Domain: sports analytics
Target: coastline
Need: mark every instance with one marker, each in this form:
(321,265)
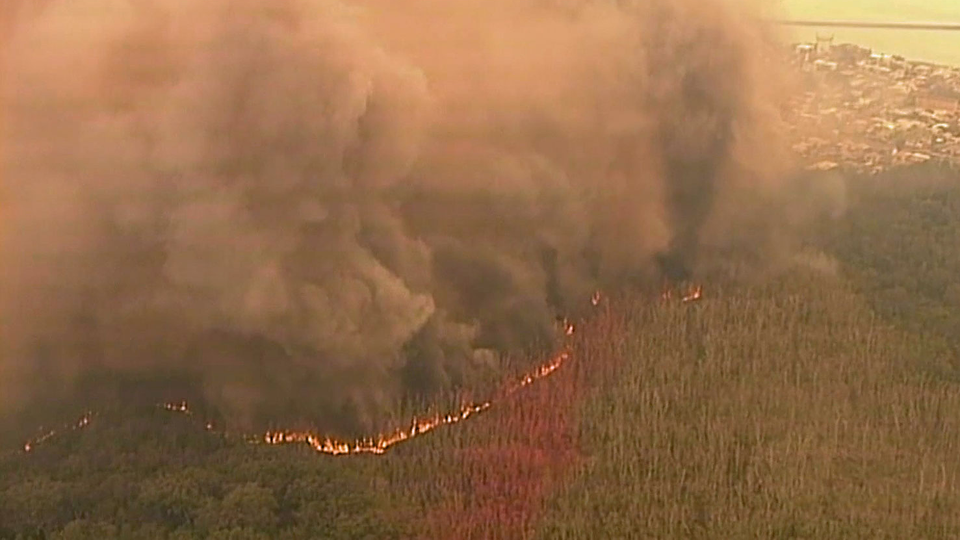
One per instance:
(940,47)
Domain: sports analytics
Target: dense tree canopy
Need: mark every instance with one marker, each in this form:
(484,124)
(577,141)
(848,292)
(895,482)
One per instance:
(158,475)
(900,247)
(819,404)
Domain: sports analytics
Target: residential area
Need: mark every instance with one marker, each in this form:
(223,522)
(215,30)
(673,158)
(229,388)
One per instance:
(867,111)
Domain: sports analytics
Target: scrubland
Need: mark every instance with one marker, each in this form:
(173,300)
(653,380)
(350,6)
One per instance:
(822,402)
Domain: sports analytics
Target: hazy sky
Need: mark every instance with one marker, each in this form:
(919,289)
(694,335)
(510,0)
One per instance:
(927,10)
(942,47)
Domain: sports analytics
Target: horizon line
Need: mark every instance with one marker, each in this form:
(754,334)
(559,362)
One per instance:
(954,26)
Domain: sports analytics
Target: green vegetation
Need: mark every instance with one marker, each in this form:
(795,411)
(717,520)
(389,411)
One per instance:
(900,246)
(822,404)
(157,475)
(818,406)
(784,412)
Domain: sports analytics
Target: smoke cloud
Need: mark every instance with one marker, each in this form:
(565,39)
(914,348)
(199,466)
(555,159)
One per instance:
(313,208)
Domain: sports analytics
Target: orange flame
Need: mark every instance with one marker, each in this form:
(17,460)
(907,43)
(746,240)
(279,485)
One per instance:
(177,407)
(83,422)
(696,293)
(596,298)
(666,292)
(381,443)
(378,445)
(419,426)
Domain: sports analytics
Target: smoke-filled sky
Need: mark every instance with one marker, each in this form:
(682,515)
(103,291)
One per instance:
(312,207)
(932,46)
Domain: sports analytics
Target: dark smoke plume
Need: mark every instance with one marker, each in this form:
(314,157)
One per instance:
(313,207)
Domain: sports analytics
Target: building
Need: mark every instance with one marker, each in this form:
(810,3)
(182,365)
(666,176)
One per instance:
(823,65)
(848,54)
(824,43)
(939,100)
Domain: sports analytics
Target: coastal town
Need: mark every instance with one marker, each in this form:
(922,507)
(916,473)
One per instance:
(867,112)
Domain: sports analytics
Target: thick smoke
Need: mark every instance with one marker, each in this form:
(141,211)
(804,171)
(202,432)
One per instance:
(313,207)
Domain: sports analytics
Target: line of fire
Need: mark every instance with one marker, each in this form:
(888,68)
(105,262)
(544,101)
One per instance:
(380,444)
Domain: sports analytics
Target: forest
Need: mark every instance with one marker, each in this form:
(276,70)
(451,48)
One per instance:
(820,402)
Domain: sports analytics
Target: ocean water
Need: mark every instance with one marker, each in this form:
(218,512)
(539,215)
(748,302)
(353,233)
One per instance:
(934,46)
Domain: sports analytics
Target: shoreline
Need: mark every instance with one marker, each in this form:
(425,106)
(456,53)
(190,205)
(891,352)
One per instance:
(938,48)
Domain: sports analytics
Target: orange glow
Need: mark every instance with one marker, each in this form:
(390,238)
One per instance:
(83,422)
(177,407)
(379,444)
(418,426)
(696,293)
